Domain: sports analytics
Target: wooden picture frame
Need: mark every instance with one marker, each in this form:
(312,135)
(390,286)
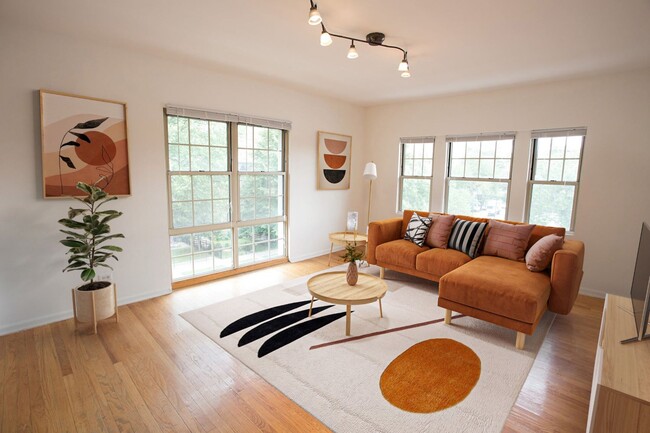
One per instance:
(83,139)
(334,154)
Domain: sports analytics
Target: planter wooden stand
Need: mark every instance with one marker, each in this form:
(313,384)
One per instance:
(94,305)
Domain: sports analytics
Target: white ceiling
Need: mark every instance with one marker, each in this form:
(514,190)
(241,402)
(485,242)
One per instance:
(454,45)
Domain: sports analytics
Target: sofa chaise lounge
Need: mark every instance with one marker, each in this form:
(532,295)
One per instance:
(494,289)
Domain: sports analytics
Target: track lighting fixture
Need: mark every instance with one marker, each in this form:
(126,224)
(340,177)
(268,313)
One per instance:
(375,39)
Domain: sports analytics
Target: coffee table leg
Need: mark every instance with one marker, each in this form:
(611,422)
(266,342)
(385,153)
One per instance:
(381,313)
(347,319)
(311,306)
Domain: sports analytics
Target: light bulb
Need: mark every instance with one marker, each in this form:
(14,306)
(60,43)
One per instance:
(406,74)
(352,51)
(403,65)
(314,17)
(325,39)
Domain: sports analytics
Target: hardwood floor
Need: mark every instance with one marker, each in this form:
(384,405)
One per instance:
(153,372)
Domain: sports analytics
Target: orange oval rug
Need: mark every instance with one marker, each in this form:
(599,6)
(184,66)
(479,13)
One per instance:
(430,376)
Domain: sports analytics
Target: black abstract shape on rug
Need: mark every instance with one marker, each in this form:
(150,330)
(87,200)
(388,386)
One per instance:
(334,176)
(295,332)
(276,324)
(259,317)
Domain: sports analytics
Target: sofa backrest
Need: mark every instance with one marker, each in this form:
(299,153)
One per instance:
(538,232)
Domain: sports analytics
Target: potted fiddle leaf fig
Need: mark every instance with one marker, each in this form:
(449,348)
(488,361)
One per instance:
(87,235)
(351,255)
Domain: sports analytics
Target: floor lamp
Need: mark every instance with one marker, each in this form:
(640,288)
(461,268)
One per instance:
(370,173)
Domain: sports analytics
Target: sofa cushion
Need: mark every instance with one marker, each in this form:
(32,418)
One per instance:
(540,255)
(440,230)
(507,240)
(499,286)
(417,229)
(439,261)
(399,253)
(466,236)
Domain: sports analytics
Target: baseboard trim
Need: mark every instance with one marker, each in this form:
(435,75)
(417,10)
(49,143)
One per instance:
(64,315)
(308,256)
(593,293)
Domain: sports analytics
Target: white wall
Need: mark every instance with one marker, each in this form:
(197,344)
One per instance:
(32,288)
(613,197)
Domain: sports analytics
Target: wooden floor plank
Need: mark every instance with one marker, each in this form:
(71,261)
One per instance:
(154,372)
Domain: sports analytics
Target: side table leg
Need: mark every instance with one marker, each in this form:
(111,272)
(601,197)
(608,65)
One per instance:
(381,312)
(311,306)
(329,260)
(348,310)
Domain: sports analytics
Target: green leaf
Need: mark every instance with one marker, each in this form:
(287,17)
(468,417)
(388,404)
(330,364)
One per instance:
(88,274)
(105,238)
(72,212)
(84,187)
(75,267)
(104,265)
(110,217)
(108,212)
(73,234)
(112,248)
(72,243)
(72,223)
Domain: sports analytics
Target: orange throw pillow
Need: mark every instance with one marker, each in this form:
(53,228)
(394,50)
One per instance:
(438,235)
(539,256)
(507,240)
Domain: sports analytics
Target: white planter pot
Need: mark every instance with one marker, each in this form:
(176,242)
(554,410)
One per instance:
(94,305)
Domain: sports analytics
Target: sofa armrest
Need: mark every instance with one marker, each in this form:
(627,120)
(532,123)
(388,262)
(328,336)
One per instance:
(380,232)
(566,275)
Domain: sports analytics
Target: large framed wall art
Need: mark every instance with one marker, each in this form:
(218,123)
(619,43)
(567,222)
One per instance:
(334,154)
(83,140)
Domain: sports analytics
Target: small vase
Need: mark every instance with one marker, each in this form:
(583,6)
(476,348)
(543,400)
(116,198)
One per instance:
(352,275)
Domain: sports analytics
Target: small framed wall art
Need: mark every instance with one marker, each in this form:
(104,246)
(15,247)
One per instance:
(334,154)
(83,140)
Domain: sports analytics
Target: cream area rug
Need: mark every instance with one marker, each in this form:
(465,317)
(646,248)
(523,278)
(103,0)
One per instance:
(337,378)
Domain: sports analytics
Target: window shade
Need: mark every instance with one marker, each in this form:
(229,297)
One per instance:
(507,135)
(416,140)
(228,117)
(564,132)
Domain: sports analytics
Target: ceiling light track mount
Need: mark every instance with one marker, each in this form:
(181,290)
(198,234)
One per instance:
(374,39)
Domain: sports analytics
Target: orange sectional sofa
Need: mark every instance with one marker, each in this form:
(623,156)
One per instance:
(494,289)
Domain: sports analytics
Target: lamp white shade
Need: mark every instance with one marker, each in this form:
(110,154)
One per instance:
(325,39)
(314,17)
(352,52)
(403,66)
(370,172)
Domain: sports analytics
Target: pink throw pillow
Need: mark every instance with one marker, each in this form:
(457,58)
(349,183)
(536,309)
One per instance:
(539,256)
(441,226)
(507,240)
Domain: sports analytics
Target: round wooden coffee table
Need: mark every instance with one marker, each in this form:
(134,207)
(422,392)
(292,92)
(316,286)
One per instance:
(332,287)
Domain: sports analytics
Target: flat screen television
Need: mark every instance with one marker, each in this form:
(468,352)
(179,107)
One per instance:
(640,292)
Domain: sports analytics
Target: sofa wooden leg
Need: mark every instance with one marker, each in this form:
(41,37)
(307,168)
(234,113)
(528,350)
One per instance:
(381,272)
(448,317)
(521,340)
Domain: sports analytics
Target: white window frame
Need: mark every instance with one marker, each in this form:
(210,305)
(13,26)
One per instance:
(233,121)
(509,135)
(400,185)
(550,133)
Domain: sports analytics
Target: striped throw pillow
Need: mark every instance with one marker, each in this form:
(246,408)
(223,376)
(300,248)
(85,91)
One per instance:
(466,236)
(417,229)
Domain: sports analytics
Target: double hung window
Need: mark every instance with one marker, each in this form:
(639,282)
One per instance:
(555,177)
(227,191)
(416,171)
(478,175)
